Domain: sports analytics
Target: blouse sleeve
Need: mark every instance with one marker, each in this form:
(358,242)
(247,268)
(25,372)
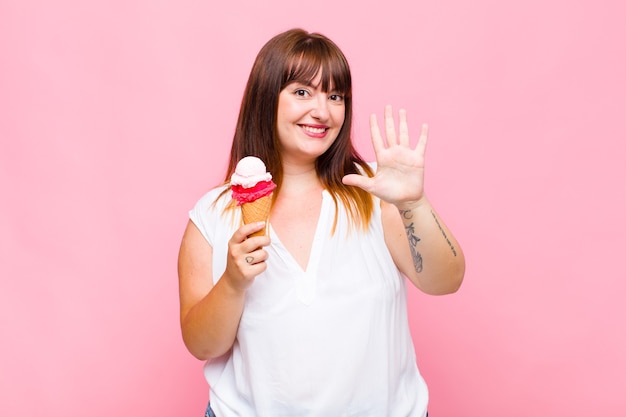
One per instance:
(216,226)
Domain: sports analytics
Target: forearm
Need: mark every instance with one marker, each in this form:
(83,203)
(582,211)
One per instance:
(210,327)
(438,263)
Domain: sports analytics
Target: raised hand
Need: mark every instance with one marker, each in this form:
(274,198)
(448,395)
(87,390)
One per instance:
(399,177)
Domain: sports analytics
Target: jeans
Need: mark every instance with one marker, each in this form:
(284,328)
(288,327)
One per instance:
(209,412)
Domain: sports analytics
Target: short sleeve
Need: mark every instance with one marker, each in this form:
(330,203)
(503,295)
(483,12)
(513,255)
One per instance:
(207,213)
(216,226)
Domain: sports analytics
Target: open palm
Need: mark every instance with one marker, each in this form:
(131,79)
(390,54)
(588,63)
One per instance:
(399,177)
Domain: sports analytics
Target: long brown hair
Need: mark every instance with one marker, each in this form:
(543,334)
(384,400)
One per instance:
(299,56)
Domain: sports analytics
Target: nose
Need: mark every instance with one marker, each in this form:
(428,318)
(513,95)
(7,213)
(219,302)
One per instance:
(320,107)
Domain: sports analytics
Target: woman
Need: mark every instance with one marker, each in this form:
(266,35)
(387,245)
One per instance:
(314,323)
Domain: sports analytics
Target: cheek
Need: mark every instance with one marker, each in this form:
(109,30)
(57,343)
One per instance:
(285,114)
(284,129)
(339,115)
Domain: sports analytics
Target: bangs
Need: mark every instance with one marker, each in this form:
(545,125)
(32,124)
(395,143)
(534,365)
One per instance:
(314,58)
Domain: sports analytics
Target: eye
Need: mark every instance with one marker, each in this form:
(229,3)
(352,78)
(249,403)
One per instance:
(301,92)
(336,97)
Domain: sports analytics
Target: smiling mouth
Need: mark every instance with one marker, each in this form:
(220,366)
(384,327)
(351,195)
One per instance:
(315,130)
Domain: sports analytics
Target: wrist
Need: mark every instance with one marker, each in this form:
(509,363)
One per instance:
(232,289)
(408,206)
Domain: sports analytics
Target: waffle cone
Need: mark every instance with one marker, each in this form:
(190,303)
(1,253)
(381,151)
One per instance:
(257,211)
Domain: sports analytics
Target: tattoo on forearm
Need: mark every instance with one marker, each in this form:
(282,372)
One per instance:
(413,240)
(444,234)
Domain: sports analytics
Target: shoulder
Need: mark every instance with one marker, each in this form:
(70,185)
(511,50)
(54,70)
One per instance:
(208,211)
(218,196)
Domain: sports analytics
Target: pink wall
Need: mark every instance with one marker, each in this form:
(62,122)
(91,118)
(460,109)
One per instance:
(116,116)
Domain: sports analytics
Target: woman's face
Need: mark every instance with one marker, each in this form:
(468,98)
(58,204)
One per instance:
(308,120)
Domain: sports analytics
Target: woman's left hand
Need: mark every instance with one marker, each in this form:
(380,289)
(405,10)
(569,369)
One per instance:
(399,176)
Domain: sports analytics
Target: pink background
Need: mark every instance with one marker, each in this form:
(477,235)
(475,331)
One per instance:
(116,116)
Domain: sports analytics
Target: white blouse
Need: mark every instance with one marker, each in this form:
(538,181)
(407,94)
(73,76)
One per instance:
(332,340)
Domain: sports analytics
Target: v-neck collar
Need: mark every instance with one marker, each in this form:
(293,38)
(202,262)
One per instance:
(306,278)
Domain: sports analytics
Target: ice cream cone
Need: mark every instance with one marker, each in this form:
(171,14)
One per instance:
(252,188)
(257,211)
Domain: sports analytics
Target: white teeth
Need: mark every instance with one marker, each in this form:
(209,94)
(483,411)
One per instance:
(314,129)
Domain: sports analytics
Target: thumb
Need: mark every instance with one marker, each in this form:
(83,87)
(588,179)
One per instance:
(357,180)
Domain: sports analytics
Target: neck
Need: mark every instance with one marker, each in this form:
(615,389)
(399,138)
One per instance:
(300,179)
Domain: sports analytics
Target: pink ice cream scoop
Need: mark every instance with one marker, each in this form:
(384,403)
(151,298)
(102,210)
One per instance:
(251,181)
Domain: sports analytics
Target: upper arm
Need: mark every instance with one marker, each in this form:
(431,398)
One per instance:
(195,276)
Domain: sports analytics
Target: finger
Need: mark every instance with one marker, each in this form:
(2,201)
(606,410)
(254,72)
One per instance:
(403,128)
(250,267)
(244,231)
(421,144)
(255,242)
(256,269)
(250,259)
(377,140)
(257,256)
(390,128)
(251,262)
(254,258)
(357,180)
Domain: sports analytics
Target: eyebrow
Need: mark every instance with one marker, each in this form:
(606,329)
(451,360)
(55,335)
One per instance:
(311,85)
(304,83)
